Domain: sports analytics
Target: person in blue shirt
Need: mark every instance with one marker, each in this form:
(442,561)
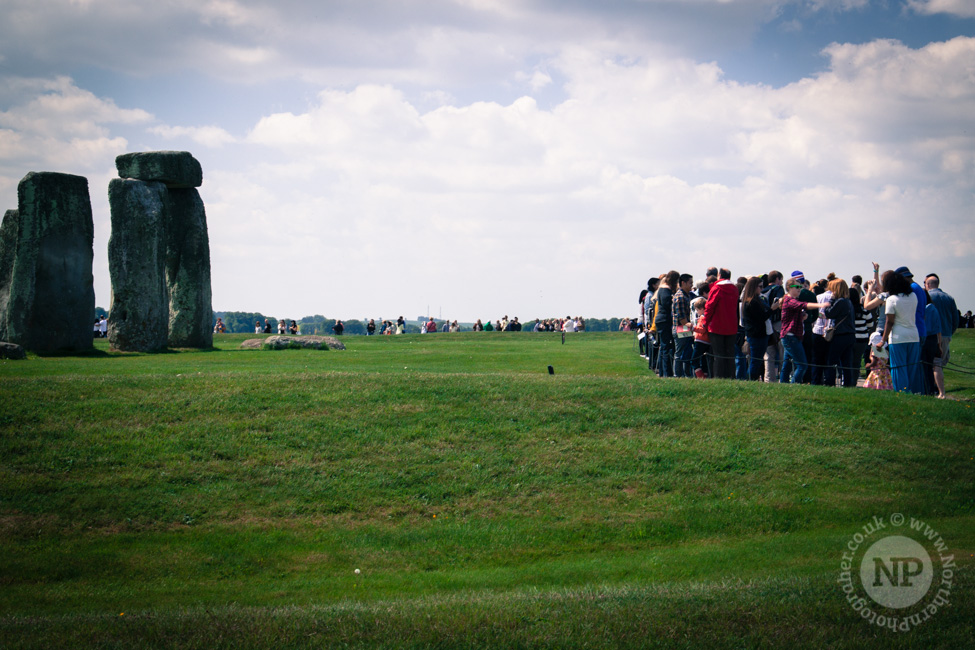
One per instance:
(931,350)
(948,311)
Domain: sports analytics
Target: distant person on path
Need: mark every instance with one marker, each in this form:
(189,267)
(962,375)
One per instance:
(294,327)
(950,321)
(721,318)
(338,328)
(96,331)
(282,327)
(267,326)
(258,328)
(219,328)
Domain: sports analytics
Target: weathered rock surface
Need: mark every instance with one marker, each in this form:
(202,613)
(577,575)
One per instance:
(9,232)
(188,272)
(176,169)
(282,342)
(139,317)
(47,296)
(11,351)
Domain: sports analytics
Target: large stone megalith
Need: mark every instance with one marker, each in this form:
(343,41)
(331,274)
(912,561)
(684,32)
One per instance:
(159,212)
(188,272)
(139,315)
(47,295)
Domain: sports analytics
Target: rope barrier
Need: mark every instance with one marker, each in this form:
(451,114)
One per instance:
(792,360)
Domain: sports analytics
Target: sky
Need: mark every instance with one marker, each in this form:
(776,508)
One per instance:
(534,158)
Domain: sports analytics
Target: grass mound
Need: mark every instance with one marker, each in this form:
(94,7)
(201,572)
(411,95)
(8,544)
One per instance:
(486,503)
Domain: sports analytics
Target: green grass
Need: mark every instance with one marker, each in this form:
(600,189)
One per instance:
(223,498)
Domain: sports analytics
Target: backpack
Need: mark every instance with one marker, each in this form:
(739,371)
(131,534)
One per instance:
(771,294)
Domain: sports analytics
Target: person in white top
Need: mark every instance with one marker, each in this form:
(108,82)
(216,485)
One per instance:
(569,325)
(900,331)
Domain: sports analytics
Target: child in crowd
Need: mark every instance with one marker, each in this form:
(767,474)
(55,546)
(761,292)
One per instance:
(879,366)
(702,345)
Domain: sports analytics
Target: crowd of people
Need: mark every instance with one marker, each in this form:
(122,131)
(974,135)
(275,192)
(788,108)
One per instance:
(776,329)
(266,328)
(567,324)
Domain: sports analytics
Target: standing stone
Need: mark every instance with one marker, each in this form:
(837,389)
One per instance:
(139,316)
(161,216)
(188,272)
(47,295)
(9,232)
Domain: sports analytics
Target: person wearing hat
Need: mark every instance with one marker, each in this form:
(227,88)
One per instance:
(793,314)
(879,368)
(807,296)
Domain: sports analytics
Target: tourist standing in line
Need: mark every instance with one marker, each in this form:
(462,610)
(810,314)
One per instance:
(794,315)
(721,319)
(840,311)
(820,344)
(774,353)
(879,368)
(683,331)
(900,331)
(861,323)
(948,310)
(754,316)
(641,335)
(931,349)
(664,323)
(701,361)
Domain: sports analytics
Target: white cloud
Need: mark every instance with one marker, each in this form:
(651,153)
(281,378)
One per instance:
(506,156)
(208,136)
(961,8)
(537,205)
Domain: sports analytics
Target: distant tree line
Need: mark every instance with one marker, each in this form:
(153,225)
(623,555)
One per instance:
(243,322)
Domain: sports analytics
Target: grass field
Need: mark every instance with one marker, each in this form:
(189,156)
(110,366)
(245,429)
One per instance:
(225,498)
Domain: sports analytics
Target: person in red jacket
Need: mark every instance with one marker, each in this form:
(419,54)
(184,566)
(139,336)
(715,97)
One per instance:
(721,320)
